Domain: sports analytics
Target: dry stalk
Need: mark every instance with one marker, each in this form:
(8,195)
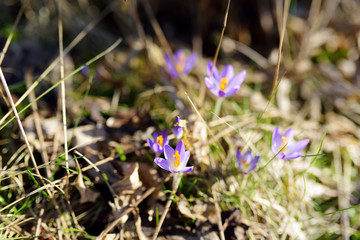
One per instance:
(26,139)
(218,214)
(282,35)
(177,179)
(63,95)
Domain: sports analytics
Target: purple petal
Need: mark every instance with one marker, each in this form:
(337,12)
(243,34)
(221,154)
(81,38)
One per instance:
(297,146)
(189,64)
(178,132)
(248,156)
(232,91)
(168,152)
(289,134)
(227,72)
(210,82)
(157,148)
(221,94)
(292,155)
(187,169)
(181,148)
(215,71)
(184,159)
(237,80)
(171,66)
(276,141)
(179,55)
(238,155)
(149,142)
(155,135)
(281,156)
(177,119)
(162,163)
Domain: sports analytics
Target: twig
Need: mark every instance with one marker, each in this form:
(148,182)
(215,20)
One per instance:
(177,179)
(218,214)
(7,91)
(282,35)
(38,224)
(156,26)
(63,97)
(37,121)
(221,37)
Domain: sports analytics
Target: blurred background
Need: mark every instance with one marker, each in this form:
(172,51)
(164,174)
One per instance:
(319,90)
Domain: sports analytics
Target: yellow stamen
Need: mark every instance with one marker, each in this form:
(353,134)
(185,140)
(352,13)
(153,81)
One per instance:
(283,148)
(223,84)
(160,140)
(179,67)
(176,159)
(245,163)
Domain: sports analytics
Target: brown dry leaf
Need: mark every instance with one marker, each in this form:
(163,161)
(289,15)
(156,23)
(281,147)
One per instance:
(87,195)
(126,190)
(91,141)
(190,212)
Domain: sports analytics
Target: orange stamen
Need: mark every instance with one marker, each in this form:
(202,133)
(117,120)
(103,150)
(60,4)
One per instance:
(179,67)
(283,148)
(160,140)
(176,159)
(223,84)
(245,163)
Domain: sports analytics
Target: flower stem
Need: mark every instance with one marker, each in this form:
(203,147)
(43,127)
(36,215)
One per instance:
(176,182)
(218,104)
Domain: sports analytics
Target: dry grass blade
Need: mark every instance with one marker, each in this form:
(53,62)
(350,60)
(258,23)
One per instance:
(282,36)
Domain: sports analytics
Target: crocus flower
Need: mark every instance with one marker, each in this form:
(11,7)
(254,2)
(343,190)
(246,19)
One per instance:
(246,163)
(283,145)
(224,84)
(178,129)
(159,142)
(175,160)
(179,64)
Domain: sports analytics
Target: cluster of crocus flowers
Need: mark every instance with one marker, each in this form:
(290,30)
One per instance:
(284,147)
(224,84)
(160,140)
(175,159)
(246,162)
(179,64)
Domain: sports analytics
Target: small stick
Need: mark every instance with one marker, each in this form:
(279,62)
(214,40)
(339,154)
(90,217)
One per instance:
(37,121)
(156,26)
(221,37)
(282,35)
(63,98)
(218,214)
(177,179)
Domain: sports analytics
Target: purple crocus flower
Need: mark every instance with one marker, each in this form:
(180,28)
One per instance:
(224,84)
(283,145)
(179,64)
(178,129)
(175,160)
(159,142)
(246,163)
